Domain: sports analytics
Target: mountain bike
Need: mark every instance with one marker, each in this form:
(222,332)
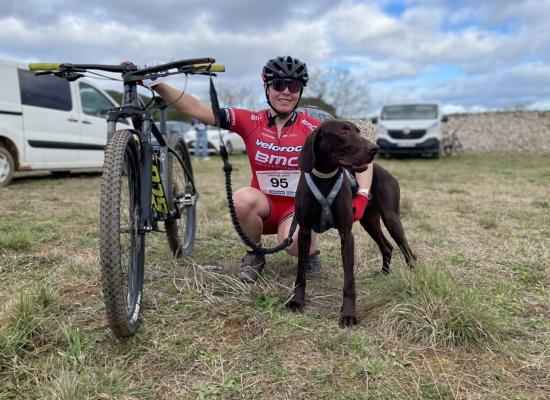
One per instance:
(451,144)
(147,178)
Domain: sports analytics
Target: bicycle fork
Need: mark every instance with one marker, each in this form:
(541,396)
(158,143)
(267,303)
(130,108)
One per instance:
(154,183)
(146,184)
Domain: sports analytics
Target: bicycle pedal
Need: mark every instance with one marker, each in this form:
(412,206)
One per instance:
(186,200)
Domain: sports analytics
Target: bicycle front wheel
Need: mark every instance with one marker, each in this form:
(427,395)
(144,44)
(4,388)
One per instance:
(459,149)
(447,146)
(122,242)
(182,198)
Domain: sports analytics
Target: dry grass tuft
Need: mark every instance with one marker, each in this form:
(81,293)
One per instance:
(429,307)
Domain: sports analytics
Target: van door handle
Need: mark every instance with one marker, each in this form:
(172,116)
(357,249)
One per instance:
(72,120)
(85,121)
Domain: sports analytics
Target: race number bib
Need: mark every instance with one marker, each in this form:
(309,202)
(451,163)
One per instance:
(278,183)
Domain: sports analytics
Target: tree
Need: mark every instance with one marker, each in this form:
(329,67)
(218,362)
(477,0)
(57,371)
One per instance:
(247,97)
(319,103)
(338,87)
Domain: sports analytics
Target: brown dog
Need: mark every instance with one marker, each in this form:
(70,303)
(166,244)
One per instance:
(334,146)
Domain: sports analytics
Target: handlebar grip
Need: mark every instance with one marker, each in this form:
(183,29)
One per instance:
(44,67)
(217,68)
(210,67)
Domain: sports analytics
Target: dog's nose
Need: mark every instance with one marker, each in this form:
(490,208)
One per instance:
(373,149)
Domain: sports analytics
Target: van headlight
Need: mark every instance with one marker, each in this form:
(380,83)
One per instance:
(433,127)
(381,131)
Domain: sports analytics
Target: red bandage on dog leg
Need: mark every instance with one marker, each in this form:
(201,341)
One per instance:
(359,203)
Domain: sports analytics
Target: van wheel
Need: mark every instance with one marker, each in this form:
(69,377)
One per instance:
(7,166)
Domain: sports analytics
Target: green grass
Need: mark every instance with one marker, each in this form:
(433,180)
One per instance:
(429,307)
(470,322)
(23,322)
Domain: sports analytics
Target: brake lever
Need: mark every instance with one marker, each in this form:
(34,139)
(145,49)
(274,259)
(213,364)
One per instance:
(70,76)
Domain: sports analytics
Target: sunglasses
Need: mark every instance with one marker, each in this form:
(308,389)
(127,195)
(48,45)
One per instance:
(279,85)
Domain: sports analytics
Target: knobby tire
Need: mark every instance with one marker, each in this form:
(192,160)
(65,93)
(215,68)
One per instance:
(122,243)
(447,146)
(180,232)
(459,149)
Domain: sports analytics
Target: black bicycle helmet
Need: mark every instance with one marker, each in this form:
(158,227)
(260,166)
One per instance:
(285,67)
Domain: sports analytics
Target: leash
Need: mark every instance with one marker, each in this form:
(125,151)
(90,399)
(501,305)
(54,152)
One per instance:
(227,169)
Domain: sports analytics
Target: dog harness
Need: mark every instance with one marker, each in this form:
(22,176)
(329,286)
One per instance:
(327,220)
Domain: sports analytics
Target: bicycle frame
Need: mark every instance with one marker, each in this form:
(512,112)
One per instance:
(153,177)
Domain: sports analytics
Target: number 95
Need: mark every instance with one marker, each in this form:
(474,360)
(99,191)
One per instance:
(280,182)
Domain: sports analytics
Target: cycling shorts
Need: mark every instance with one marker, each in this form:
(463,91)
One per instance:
(280,208)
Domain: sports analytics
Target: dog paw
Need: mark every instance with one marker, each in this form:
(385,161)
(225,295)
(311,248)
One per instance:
(347,321)
(295,305)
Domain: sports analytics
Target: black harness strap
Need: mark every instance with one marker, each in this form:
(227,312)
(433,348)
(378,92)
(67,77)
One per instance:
(327,220)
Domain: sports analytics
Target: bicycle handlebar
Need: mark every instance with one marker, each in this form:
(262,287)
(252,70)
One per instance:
(201,66)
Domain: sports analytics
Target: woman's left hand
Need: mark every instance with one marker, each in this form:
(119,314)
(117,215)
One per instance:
(359,203)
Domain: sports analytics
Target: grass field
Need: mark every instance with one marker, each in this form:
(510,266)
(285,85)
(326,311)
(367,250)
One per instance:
(471,322)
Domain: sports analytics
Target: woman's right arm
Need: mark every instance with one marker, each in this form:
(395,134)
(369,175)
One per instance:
(186,103)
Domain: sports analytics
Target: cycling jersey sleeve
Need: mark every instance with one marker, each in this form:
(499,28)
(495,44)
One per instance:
(237,120)
(225,118)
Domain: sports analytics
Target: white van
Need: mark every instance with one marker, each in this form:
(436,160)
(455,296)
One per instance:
(49,123)
(410,129)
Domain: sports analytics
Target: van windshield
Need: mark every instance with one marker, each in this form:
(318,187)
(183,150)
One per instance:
(410,111)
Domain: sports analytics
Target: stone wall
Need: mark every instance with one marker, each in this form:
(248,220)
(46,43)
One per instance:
(505,131)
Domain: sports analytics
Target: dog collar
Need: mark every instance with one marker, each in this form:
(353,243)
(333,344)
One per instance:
(322,175)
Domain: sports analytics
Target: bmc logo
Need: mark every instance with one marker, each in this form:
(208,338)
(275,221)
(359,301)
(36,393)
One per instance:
(273,159)
(309,124)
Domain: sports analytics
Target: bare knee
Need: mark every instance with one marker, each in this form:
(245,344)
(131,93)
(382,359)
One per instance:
(249,201)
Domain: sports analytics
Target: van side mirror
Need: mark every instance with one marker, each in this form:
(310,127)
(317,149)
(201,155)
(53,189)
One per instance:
(444,118)
(374,120)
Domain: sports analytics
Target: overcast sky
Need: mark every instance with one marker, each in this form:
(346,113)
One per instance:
(468,55)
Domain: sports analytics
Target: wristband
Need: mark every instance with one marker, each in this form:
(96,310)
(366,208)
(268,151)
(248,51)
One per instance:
(365,192)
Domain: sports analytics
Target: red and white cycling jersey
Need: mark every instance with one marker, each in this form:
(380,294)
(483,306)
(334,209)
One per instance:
(273,158)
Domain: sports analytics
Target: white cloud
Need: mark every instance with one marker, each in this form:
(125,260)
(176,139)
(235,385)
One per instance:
(499,48)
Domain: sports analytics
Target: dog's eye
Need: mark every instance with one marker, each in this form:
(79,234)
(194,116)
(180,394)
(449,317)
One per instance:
(346,132)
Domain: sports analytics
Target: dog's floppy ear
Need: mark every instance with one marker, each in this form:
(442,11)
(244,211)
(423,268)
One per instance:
(306,158)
